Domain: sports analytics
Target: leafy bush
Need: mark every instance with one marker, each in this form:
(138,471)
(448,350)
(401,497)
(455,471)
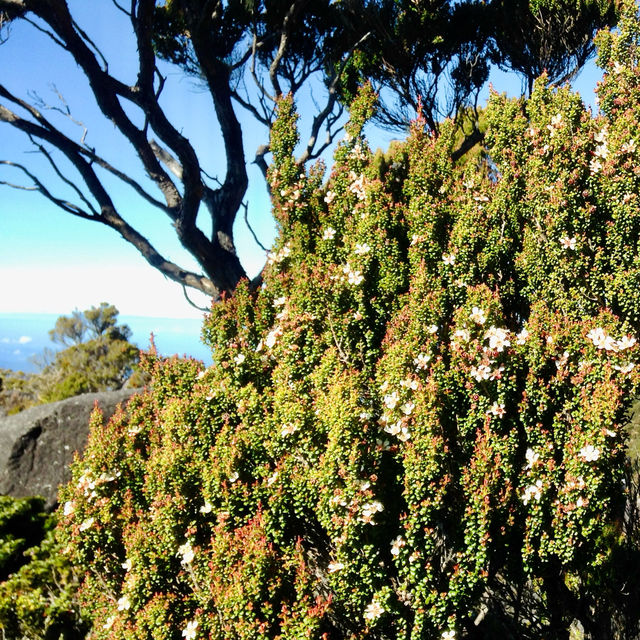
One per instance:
(37,585)
(416,427)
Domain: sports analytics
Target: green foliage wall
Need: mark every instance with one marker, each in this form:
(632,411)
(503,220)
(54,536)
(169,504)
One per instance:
(416,427)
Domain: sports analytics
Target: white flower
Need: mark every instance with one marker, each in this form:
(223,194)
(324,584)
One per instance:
(240,358)
(601,136)
(127,564)
(69,508)
(629,147)
(329,233)
(422,361)
(432,329)
(449,635)
(355,278)
(362,249)
(394,429)
(369,510)
(404,434)
(409,383)
(109,622)
(274,257)
(373,611)
(556,121)
(407,408)
(463,334)
(391,400)
(234,477)
(272,478)
(562,361)
(532,491)
(279,302)
(124,604)
(602,340)
(288,429)
(329,198)
(626,342)
(207,507)
(568,243)
(589,453)
(498,338)
(478,315)
(602,151)
(86,524)
(625,368)
(134,430)
(481,372)
(189,632)
(357,186)
(521,337)
(396,545)
(532,458)
(272,337)
(497,410)
(595,166)
(335,566)
(186,551)
(617,68)
(449,258)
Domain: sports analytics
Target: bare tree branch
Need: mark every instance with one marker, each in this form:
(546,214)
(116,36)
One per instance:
(255,237)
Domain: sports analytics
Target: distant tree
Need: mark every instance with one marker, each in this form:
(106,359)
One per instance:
(98,357)
(432,55)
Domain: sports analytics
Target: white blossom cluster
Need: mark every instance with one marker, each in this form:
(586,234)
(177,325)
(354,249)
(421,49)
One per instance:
(275,257)
(602,340)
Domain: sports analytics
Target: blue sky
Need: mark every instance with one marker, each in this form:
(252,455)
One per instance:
(52,262)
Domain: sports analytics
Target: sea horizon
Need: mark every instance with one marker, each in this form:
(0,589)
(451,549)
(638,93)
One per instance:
(24,336)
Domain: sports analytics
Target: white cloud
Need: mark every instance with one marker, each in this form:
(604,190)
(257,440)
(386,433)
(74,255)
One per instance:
(24,339)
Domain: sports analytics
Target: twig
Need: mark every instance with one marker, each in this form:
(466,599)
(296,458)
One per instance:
(245,206)
(191,302)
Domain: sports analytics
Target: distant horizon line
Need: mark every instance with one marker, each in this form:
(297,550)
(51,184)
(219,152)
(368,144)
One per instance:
(121,314)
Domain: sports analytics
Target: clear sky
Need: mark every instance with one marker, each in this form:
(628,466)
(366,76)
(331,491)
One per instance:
(52,262)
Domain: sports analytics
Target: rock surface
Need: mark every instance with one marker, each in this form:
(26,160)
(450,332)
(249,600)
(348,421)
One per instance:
(37,445)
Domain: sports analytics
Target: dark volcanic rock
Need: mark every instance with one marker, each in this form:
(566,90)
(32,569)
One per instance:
(37,445)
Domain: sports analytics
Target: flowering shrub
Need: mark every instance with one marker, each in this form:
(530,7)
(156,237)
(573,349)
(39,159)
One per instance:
(416,427)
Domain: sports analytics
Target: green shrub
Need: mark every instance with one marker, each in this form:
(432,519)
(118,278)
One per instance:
(416,428)
(37,586)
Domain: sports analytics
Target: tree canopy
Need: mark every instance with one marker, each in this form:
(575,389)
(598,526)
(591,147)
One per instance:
(432,56)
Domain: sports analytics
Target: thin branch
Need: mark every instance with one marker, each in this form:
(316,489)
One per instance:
(92,44)
(255,237)
(48,33)
(65,205)
(249,107)
(66,180)
(191,302)
(121,8)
